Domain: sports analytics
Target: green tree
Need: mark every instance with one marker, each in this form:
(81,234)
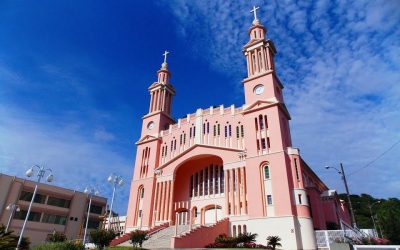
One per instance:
(138,237)
(246,238)
(102,237)
(274,241)
(9,241)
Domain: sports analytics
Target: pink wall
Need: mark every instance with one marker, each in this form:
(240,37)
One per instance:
(201,237)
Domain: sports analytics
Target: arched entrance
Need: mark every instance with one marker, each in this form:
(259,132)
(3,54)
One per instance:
(200,183)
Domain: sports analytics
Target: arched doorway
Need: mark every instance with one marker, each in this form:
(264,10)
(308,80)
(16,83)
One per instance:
(212,214)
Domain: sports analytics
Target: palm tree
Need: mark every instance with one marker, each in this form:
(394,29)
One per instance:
(274,241)
(246,238)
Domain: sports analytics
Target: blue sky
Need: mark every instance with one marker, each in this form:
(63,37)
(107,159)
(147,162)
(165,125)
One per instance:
(74,78)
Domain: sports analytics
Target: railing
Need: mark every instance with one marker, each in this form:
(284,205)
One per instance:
(325,237)
(380,247)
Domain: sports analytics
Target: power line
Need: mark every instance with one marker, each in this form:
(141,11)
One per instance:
(377,158)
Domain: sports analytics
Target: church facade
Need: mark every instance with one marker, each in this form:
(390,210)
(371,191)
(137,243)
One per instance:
(230,165)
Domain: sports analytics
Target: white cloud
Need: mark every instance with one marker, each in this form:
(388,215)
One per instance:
(77,160)
(340,64)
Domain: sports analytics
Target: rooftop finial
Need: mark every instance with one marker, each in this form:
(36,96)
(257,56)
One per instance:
(254,11)
(164,64)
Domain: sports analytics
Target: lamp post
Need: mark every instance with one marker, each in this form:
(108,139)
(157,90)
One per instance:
(343,175)
(41,172)
(116,181)
(372,216)
(90,191)
(13,207)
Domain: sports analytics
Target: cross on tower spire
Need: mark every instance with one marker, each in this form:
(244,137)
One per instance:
(165,56)
(254,11)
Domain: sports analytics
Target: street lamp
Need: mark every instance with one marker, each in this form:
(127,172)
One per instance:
(372,216)
(90,191)
(40,175)
(13,207)
(343,175)
(116,181)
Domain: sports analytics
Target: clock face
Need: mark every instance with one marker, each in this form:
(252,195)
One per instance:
(150,125)
(259,89)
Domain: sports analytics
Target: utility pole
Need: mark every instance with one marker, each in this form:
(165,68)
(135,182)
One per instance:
(348,196)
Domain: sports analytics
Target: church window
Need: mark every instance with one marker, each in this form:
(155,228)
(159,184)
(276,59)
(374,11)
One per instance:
(184,138)
(237,132)
(140,213)
(255,34)
(234,231)
(166,150)
(258,144)
(216,179)
(142,193)
(196,184)
(222,180)
(219,129)
(242,130)
(206,181)
(194,131)
(215,130)
(299,196)
(269,199)
(195,212)
(201,183)
(259,60)
(181,139)
(256,123)
(172,145)
(175,144)
(162,151)
(244,229)
(263,145)
(266,172)
(266,121)
(190,132)
(239,229)
(260,119)
(226,131)
(211,179)
(208,127)
(229,208)
(234,180)
(230,130)
(204,128)
(297,170)
(268,143)
(191,186)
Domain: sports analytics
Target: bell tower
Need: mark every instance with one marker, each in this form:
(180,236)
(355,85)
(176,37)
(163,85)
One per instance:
(161,93)
(261,82)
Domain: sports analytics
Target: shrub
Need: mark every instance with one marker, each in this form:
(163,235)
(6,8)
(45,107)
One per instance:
(138,237)
(274,241)
(9,241)
(66,245)
(56,237)
(102,237)
(246,238)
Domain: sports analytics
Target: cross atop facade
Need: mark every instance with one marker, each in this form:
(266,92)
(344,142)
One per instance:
(165,56)
(254,11)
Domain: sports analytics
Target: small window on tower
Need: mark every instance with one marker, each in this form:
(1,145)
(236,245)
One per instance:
(269,199)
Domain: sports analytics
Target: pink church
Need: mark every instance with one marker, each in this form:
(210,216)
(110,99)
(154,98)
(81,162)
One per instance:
(227,169)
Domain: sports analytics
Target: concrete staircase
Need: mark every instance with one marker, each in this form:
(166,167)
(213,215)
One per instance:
(125,238)
(162,239)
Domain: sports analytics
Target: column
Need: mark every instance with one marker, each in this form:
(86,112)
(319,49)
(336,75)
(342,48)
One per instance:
(226,191)
(232,198)
(237,199)
(151,102)
(264,63)
(269,58)
(166,214)
(239,189)
(171,201)
(158,201)
(162,201)
(256,62)
(248,64)
(251,63)
(244,199)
